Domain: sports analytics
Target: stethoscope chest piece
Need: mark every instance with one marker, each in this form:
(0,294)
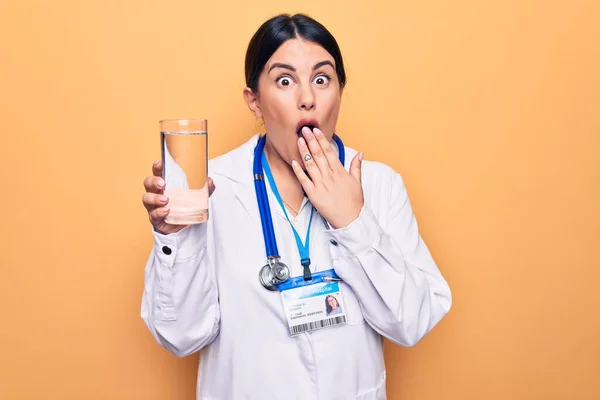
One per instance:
(273,273)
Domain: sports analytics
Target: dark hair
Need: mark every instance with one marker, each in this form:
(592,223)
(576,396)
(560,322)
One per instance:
(281,28)
(327,306)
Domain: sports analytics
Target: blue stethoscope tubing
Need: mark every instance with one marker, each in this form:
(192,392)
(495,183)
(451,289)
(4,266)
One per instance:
(265,210)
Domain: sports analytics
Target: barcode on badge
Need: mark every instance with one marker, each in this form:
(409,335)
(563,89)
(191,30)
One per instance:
(311,326)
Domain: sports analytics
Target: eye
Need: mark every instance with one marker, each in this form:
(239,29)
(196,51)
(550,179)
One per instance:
(284,80)
(322,79)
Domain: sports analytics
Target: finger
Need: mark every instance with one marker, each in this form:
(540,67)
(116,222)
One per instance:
(211,186)
(330,153)
(305,181)
(317,152)
(158,215)
(356,167)
(154,184)
(309,162)
(157,168)
(152,201)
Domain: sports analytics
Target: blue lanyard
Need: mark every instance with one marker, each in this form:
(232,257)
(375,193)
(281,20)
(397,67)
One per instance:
(261,163)
(303,248)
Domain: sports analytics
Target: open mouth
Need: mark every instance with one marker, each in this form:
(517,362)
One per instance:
(311,127)
(310,124)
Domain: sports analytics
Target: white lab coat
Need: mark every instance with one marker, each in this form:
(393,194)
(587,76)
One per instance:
(205,293)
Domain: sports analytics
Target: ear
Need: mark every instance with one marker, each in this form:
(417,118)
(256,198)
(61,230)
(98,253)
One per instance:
(252,102)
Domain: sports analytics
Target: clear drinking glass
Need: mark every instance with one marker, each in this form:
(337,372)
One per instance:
(184,146)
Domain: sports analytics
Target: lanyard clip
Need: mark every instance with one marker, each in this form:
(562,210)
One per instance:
(306,264)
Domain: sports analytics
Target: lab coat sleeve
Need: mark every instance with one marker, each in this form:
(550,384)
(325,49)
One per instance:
(400,289)
(180,299)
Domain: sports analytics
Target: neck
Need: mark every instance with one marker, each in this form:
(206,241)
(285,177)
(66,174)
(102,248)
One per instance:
(287,183)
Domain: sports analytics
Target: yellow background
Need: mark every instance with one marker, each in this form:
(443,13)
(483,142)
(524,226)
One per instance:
(489,109)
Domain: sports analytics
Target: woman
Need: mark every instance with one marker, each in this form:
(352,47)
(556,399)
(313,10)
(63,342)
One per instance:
(201,288)
(332,306)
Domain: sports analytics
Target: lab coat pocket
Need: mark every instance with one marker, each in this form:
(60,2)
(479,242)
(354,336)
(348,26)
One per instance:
(377,393)
(354,315)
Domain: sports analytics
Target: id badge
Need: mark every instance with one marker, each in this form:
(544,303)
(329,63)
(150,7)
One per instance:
(315,304)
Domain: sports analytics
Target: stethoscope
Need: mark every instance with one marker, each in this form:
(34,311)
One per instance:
(275,272)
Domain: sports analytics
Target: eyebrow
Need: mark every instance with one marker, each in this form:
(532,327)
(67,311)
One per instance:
(289,67)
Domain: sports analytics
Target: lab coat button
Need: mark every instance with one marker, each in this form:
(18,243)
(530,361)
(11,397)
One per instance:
(167,250)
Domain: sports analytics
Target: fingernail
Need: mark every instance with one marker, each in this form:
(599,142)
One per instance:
(360,156)
(156,162)
(302,141)
(165,208)
(164,199)
(294,163)
(161,183)
(317,132)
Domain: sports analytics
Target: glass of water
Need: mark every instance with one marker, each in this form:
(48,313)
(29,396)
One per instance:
(184,147)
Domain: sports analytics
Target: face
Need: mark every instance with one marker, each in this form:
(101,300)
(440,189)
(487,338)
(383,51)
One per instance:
(332,302)
(298,86)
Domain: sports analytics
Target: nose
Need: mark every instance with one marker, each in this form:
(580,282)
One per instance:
(306,100)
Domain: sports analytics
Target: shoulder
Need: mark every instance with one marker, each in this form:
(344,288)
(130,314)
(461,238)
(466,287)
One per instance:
(380,173)
(384,188)
(233,158)
(234,165)
(376,176)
